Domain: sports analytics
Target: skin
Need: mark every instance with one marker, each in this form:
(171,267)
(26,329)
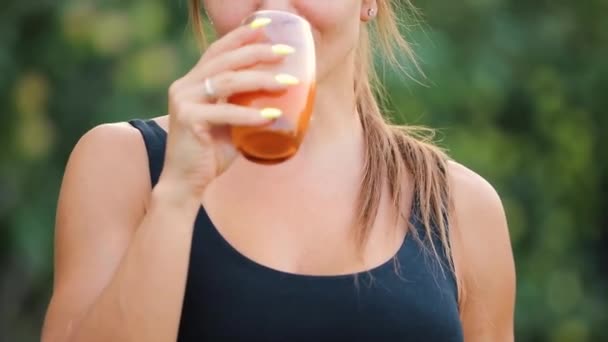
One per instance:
(111,226)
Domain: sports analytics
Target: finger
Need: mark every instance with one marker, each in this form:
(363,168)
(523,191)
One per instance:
(236,38)
(227,114)
(234,82)
(241,58)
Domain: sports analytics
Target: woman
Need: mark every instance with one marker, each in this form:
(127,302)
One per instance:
(368,234)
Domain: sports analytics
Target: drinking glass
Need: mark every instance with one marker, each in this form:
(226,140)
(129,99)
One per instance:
(279,140)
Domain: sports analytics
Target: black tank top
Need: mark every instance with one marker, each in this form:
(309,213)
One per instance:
(229,297)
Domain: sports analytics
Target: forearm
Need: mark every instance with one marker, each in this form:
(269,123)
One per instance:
(143,300)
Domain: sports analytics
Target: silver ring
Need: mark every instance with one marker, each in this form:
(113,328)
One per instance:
(371,12)
(210,93)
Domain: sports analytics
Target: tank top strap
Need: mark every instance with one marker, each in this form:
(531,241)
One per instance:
(417,223)
(155,139)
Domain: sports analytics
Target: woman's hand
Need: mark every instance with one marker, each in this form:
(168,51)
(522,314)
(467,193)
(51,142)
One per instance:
(198,145)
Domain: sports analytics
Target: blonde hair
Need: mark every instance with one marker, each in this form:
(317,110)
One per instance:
(391,151)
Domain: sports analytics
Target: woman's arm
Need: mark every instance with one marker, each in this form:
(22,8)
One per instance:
(121,269)
(483,258)
(121,254)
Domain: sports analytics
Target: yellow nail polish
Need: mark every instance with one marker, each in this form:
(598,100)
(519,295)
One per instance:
(282,49)
(287,79)
(271,113)
(259,22)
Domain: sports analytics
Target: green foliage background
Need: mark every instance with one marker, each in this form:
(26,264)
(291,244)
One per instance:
(518,88)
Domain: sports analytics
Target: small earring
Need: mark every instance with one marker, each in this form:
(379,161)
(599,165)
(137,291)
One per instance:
(371,12)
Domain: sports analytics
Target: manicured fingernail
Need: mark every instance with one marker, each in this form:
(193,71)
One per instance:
(286,79)
(271,113)
(259,22)
(282,49)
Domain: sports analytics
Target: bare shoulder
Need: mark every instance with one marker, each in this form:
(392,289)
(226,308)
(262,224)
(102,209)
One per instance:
(483,256)
(109,151)
(472,192)
(479,216)
(108,138)
(106,174)
(102,198)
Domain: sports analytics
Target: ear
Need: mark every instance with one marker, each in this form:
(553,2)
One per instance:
(369,10)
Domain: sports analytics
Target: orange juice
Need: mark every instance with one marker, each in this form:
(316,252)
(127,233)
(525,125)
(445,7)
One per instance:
(279,140)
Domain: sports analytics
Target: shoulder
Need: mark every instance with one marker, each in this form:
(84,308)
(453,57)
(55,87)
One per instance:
(110,146)
(482,251)
(479,231)
(108,160)
(102,199)
(479,218)
(472,194)
(109,136)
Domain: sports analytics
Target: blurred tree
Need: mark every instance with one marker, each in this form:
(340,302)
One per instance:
(517,88)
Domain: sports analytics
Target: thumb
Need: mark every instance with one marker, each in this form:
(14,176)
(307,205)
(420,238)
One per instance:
(225,154)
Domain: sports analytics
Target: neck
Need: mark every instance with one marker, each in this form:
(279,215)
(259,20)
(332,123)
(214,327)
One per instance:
(334,116)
